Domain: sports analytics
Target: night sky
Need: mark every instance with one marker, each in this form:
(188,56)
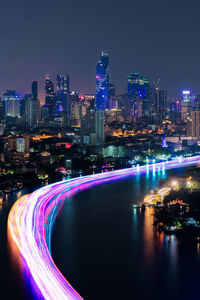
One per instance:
(159,39)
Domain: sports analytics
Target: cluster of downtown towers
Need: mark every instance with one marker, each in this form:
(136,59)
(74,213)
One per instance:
(137,102)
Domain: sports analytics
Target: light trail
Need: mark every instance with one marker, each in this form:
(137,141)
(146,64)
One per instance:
(32,217)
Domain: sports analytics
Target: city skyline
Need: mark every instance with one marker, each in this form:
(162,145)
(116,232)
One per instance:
(129,33)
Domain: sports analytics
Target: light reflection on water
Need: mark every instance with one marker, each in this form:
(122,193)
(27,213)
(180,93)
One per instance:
(99,241)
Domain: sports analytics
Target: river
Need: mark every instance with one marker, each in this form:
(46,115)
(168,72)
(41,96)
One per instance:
(107,250)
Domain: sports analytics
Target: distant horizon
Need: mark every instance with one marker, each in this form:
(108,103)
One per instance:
(73,87)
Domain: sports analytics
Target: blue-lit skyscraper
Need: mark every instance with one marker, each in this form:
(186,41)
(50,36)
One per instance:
(63,95)
(12,103)
(139,89)
(102,82)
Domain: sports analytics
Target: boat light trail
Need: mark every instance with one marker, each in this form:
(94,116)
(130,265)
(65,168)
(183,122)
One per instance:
(31,220)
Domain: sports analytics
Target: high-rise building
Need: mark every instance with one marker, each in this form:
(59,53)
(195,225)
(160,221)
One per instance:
(139,89)
(63,83)
(112,96)
(195,118)
(102,82)
(32,111)
(158,107)
(50,99)
(88,122)
(2,110)
(34,89)
(12,103)
(186,96)
(102,95)
(63,95)
(99,126)
(186,105)
(23,106)
(163,103)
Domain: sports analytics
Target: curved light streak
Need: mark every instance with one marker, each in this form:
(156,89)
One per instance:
(31,220)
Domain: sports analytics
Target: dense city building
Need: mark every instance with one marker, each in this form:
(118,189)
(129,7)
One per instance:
(50,98)
(12,103)
(195,123)
(63,96)
(139,95)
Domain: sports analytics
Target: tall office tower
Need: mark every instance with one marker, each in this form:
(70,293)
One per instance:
(99,126)
(63,83)
(23,106)
(50,99)
(158,108)
(88,122)
(32,112)
(186,96)
(2,110)
(12,103)
(102,82)
(139,89)
(163,103)
(87,129)
(186,105)
(34,89)
(195,118)
(112,96)
(102,94)
(63,95)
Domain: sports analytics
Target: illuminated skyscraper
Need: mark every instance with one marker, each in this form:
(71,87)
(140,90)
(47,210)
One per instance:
(12,103)
(139,89)
(102,82)
(50,99)
(102,95)
(186,105)
(63,95)
(63,83)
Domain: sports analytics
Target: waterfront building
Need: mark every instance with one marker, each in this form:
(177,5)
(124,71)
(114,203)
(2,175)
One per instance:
(114,151)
